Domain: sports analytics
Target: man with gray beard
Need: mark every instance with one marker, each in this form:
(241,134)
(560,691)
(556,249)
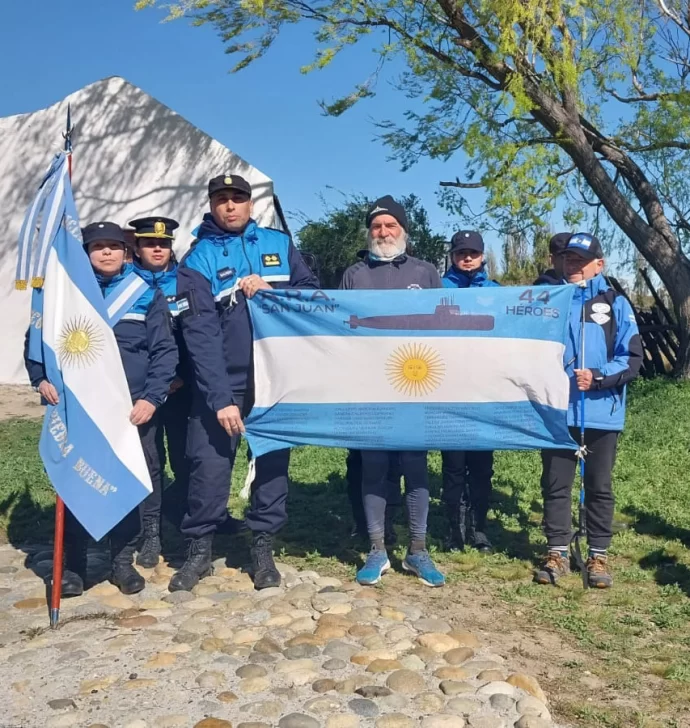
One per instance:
(387,266)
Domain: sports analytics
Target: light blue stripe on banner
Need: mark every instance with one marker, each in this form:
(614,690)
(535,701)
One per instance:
(70,443)
(409,426)
(537,312)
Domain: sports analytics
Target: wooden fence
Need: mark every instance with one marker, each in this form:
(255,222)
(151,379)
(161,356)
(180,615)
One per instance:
(658,331)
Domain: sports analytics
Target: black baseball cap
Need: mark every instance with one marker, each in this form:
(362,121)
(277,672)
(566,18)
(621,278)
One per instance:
(585,245)
(559,242)
(467,240)
(103,231)
(154,227)
(229,182)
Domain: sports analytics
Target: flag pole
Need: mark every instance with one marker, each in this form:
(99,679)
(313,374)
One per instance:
(59,540)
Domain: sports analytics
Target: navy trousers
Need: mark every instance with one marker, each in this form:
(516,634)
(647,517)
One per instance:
(148,433)
(211,453)
(174,421)
(467,481)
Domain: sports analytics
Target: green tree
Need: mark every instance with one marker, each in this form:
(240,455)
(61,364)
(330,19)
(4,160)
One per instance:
(337,237)
(523,260)
(547,98)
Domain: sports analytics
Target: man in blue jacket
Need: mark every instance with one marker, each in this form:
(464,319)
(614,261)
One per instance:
(467,474)
(231,261)
(612,358)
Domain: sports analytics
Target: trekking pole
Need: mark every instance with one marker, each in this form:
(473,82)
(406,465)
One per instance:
(59,538)
(581,532)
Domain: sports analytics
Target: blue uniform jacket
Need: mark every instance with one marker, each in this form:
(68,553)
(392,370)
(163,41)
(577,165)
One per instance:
(613,351)
(166,282)
(456,278)
(146,343)
(213,312)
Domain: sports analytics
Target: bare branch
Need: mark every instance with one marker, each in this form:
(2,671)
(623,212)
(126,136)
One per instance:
(463,185)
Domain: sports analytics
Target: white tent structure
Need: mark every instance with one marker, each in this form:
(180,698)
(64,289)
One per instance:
(133,157)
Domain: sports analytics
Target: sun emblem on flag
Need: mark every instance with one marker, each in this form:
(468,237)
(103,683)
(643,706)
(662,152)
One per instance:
(80,343)
(415,369)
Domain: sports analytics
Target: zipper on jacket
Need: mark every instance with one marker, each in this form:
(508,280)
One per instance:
(244,250)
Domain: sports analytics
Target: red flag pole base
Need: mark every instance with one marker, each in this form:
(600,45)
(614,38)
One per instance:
(56,587)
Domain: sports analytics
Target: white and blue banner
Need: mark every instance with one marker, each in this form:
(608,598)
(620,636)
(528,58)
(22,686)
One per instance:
(91,451)
(470,369)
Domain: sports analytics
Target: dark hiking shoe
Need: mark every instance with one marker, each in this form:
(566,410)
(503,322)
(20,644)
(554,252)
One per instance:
(197,564)
(555,565)
(598,574)
(263,567)
(480,541)
(150,548)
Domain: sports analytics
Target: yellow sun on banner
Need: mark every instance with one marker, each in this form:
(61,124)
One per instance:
(80,344)
(415,369)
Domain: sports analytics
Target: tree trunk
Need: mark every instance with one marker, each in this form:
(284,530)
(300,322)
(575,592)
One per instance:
(664,255)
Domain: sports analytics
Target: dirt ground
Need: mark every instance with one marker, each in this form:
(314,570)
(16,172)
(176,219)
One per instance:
(18,400)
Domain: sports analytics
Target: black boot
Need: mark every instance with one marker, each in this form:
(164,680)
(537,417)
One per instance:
(390,537)
(197,564)
(125,577)
(476,536)
(457,514)
(74,571)
(263,567)
(150,548)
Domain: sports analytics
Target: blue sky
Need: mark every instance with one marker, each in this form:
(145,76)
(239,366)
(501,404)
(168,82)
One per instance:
(267,113)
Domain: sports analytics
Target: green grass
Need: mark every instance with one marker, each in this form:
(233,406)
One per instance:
(636,637)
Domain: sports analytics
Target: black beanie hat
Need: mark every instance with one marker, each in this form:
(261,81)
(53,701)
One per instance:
(389,206)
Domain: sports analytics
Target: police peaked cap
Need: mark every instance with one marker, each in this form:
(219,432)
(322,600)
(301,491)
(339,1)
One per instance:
(103,231)
(154,227)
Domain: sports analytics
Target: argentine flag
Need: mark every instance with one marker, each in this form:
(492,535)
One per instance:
(91,451)
(470,369)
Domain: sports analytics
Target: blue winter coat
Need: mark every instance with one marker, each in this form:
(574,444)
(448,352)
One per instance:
(166,282)
(613,351)
(145,341)
(213,312)
(456,278)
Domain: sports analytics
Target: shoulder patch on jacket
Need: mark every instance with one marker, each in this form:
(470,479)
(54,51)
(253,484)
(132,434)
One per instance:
(271,260)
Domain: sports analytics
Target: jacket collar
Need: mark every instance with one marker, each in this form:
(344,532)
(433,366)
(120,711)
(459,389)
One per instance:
(464,279)
(213,232)
(109,281)
(594,287)
(156,279)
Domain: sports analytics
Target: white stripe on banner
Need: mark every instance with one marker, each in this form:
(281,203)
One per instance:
(89,360)
(135,285)
(291,370)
